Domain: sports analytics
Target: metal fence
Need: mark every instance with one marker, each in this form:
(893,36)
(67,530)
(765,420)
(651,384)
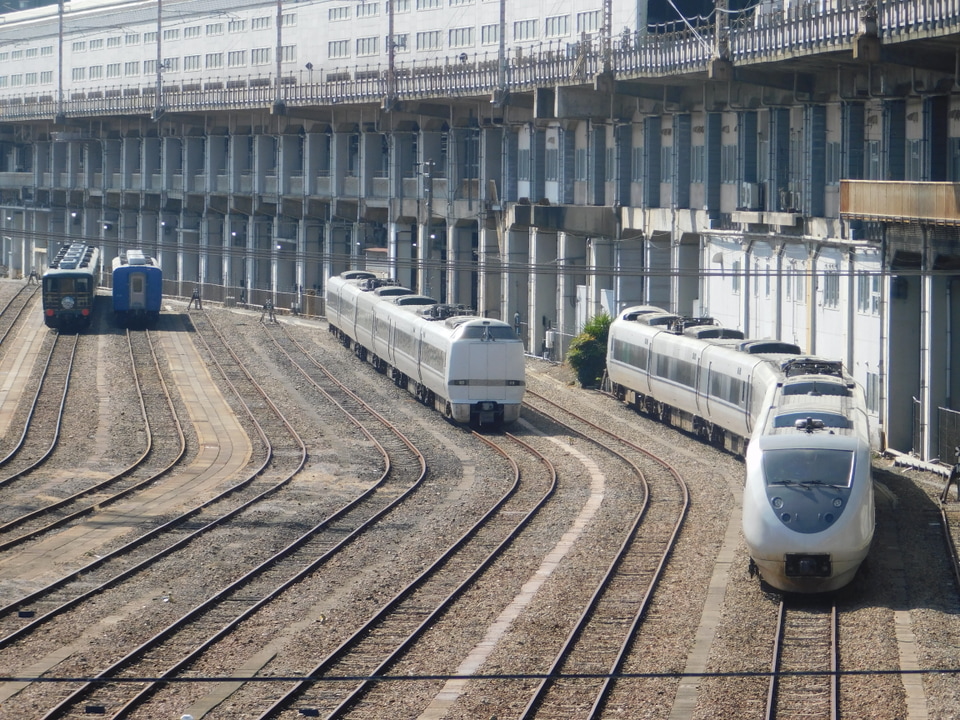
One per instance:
(948,439)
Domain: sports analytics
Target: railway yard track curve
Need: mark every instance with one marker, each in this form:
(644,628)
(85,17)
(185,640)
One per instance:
(229,518)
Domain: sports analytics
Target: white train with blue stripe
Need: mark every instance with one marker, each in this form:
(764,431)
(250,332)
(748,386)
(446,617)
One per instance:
(469,368)
(800,422)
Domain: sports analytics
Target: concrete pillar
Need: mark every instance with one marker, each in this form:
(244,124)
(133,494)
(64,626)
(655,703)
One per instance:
(490,273)
(600,284)
(515,290)
(460,263)
(543,288)
(572,267)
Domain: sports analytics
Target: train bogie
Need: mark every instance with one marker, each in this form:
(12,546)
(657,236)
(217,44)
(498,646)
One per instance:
(471,369)
(70,287)
(137,288)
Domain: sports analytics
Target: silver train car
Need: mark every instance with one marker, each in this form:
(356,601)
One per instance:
(799,421)
(469,368)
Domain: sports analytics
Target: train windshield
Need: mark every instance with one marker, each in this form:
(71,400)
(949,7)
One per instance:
(486,332)
(808,466)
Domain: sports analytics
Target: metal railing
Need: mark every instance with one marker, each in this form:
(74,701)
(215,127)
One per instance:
(805,29)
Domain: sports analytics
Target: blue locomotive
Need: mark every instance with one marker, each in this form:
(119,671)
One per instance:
(70,286)
(137,288)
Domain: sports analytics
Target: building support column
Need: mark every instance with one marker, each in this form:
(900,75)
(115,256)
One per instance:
(543,288)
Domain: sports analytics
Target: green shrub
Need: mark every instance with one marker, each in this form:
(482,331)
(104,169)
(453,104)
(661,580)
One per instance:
(588,351)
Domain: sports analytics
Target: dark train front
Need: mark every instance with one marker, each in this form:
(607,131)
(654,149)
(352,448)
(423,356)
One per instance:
(70,287)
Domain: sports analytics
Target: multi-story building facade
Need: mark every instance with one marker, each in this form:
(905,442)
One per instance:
(791,170)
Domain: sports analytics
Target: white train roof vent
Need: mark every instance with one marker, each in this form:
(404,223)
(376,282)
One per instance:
(414,300)
(392,291)
(713,332)
(136,257)
(769,347)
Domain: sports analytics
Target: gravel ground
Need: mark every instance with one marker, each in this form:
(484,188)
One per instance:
(907,579)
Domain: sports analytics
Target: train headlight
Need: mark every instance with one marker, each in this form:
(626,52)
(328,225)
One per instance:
(68,302)
(459,382)
(777,502)
(514,383)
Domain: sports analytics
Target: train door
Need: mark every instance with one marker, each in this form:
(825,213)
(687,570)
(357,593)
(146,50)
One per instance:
(138,291)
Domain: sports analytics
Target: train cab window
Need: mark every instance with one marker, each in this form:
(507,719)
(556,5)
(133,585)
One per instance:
(830,420)
(485,332)
(813,387)
(808,466)
(136,284)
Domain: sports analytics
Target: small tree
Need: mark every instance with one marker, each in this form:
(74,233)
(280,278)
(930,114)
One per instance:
(588,351)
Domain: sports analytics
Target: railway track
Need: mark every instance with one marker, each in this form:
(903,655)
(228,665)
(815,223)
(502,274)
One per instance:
(14,311)
(44,421)
(197,632)
(156,459)
(804,673)
(393,630)
(582,675)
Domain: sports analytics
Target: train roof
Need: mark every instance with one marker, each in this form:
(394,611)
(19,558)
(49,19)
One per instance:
(75,257)
(637,311)
(133,258)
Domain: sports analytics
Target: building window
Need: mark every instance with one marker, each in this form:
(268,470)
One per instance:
(79,46)
(588,22)
(131,39)
(553,165)
(735,276)
(914,160)
(113,70)
(148,38)
(580,165)
(523,165)
(525,30)
(833,171)
(728,164)
(3,81)
(131,68)
(490,35)
(266,22)
(288,20)
(213,61)
(46,51)
(149,67)
(868,294)
(872,392)
(455,3)
(429,4)
(368,9)
(288,53)
(214,29)
(95,72)
(556,26)
(237,58)
(429,40)
(261,56)
(401,6)
(78,74)
(461,37)
(31,53)
(873,169)
(336,49)
(831,287)
(97,44)
(113,42)
(367,46)
(171,64)
(235,26)
(636,168)
(698,154)
(401,42)
(191,62)
(46,77)
(175,34)
(666,164)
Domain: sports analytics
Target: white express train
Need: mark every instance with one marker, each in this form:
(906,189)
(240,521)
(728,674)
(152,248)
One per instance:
(800,421)
(469,368)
